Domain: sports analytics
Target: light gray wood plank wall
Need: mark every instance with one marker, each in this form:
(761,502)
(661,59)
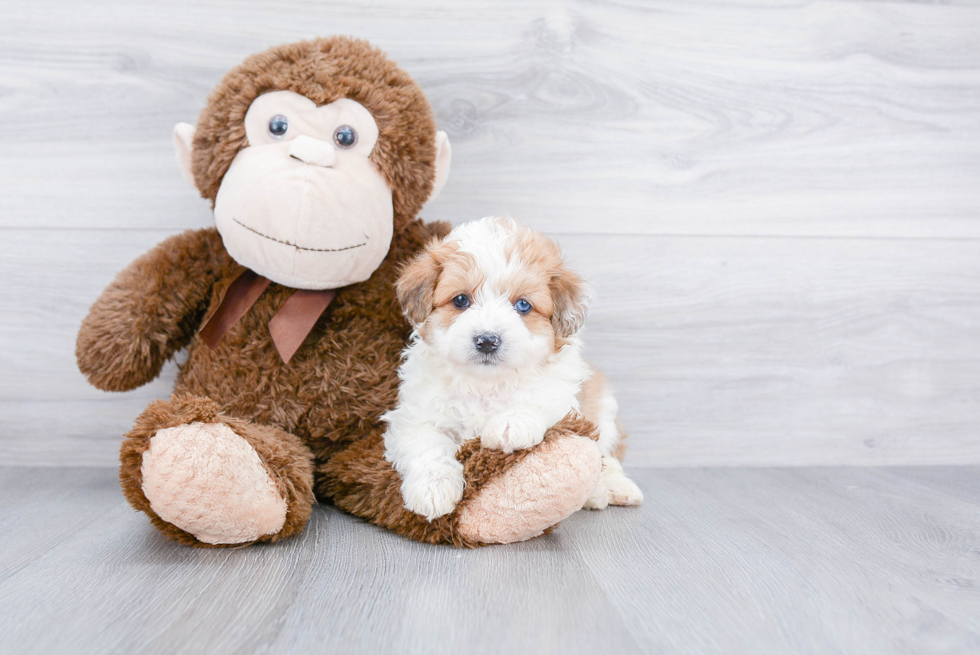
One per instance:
(777,202)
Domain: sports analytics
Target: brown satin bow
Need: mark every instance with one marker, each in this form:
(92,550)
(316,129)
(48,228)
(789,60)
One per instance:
(289,327)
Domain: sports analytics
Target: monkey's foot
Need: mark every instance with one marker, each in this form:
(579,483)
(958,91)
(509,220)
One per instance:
(508,497)
(549,484)
(210,480)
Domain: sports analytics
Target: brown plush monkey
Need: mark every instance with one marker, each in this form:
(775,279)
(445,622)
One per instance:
(317,157)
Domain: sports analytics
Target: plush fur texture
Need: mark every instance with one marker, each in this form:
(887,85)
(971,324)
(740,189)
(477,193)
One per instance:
(331,394)
(511,507)
(150,311)
(325,70)
(314,423)
(206,480)
(363,483)
(286,457)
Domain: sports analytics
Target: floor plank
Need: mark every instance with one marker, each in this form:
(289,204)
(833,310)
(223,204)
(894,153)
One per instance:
(818,560)
(36,518)
(812,560)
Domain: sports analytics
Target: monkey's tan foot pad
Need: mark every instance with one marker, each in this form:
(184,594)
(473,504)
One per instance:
(210,482)
(547,486)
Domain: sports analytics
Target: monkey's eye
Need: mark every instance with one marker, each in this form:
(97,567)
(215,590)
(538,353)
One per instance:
(345,136)
(461,301)
(278,126)
(522,306)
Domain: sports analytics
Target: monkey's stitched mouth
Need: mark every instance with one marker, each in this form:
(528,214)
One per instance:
(293,245)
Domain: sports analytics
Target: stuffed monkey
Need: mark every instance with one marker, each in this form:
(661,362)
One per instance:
(316,157)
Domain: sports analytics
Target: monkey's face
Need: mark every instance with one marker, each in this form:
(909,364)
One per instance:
(303,204)
(314,154)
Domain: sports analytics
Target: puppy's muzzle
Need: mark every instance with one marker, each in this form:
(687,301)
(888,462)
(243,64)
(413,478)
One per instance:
(487,343)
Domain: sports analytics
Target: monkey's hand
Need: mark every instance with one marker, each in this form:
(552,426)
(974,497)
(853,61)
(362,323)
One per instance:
(152,309)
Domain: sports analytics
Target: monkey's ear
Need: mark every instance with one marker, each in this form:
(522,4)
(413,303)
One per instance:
(184,143)
(444,154)
(416,286)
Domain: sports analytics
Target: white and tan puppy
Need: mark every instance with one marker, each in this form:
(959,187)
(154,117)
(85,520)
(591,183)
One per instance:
(495,355)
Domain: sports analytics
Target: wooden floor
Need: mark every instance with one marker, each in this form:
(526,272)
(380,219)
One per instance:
(808,560)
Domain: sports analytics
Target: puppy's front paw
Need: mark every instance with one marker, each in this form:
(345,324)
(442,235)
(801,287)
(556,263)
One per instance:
(510,432)
(613,488)
(433,488)
(624,491)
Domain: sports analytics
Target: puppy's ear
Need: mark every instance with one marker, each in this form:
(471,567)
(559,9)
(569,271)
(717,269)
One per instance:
(416,286)
(571,296)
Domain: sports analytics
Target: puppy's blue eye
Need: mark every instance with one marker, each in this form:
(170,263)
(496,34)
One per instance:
(522,306)
(278,126)
(461,302)
(345,136)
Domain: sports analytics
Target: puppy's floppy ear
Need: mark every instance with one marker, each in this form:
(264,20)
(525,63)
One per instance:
(571,296)
(416,286)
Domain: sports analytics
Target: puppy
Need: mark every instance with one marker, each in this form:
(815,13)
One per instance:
(495,355)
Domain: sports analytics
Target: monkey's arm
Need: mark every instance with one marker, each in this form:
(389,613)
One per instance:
(152,309)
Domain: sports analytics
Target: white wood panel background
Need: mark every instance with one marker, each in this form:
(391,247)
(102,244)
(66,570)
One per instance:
(778,202)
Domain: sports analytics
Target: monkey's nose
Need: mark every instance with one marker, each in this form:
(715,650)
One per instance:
(486,343)
(312,151)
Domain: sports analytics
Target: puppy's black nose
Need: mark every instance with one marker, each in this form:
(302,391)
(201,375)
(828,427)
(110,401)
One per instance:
(487,343)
